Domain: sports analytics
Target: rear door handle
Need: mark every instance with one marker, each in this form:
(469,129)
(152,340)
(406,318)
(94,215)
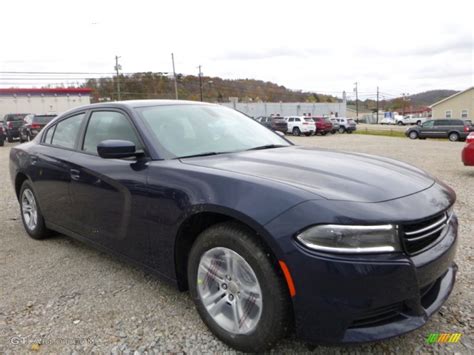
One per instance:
(75,174)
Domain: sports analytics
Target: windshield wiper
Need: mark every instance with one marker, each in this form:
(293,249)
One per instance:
(269,146)
(199,155)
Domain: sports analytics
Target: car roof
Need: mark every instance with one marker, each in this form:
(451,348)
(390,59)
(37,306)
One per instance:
(142,103)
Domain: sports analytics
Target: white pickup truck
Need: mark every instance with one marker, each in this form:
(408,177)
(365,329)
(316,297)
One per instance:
(409,119)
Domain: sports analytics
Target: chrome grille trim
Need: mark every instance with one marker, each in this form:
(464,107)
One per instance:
(426,234)
(431,226)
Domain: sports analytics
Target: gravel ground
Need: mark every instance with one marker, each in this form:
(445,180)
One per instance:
(79,300)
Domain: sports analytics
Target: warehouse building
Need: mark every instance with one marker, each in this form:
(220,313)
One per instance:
(42,101)
(459,105)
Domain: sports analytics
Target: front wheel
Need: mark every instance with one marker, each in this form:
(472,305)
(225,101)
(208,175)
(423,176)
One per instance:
(413,135)
(342,129)
(400,123)
(238,290)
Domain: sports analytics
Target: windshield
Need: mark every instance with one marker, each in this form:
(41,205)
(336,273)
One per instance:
(186,130)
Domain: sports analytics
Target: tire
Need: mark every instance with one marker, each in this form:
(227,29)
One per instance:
(296,132)
(324,133)
(36,230)
(342,129)
(2,143)
(400,123)
(272,320)
(418,123)
(413,135)
(10,139)
(453,136)
(349,131)
(307,134)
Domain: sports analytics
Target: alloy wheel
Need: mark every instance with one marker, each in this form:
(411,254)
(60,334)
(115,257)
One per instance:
(229,290)
(29,209)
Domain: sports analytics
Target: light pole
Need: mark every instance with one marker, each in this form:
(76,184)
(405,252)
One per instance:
(175,80)
(200,82)
(357,101)
(117,68)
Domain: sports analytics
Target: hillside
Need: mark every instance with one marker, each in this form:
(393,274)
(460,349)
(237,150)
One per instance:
(159,86)
(430,97)
(421,99)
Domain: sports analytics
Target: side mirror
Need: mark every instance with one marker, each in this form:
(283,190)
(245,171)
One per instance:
(280,133)
(116,149)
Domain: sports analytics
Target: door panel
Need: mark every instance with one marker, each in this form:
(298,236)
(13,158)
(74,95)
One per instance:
(108,194)
(51,182)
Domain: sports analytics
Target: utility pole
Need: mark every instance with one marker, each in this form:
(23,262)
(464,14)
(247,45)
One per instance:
(377,104)
(175,80)
(200,81)
(357,102)
(117,68)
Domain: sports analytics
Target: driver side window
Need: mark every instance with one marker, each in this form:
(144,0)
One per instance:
(104,125)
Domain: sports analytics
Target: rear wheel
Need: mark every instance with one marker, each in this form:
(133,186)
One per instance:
(453,136)
(400,123)
(31,216)
(418,122)
(296,131)
(413,135)
(236,288)
(342,129)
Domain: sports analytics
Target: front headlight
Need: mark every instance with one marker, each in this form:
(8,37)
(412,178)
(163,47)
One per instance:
(351,239)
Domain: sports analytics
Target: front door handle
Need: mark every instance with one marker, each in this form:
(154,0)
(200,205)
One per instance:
(75,174)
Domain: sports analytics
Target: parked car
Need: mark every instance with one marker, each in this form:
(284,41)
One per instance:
(2,136)
(264,120)
(338,247)
(32,125)
(300,124)
(276,123)
(11,125)
(452,129)
(347,125)
(468,151)
(409,119)
(323,125)
(335,125)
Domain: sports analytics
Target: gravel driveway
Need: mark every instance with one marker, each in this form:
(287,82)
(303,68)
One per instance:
(76,299)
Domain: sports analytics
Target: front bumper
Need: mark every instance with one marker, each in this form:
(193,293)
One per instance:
(361,298)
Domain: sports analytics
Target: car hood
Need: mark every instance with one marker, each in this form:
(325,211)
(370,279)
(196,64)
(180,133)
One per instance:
(329,174)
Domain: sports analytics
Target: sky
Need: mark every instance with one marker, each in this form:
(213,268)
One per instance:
(400,46)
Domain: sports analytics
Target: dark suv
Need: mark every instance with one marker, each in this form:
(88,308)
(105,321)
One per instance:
(12,123)
(276,123)
(453,129)
(2,136)
(32,124)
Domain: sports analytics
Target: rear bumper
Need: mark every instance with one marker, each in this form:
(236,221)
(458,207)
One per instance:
(468,155)
(13,132)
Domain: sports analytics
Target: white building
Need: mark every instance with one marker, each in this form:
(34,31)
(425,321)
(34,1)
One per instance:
(42,101)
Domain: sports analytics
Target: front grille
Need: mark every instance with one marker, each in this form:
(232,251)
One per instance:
(421,235)
(378,316)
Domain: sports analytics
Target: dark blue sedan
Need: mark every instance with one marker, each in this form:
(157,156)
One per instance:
(269,238)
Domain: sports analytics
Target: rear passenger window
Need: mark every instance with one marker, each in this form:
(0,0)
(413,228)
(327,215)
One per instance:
(105,125)
(49,135)
(67,130)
